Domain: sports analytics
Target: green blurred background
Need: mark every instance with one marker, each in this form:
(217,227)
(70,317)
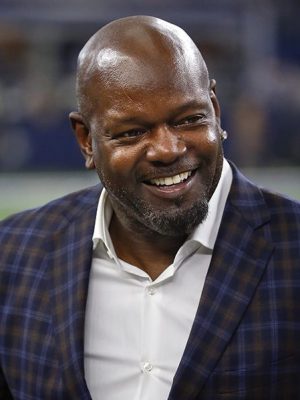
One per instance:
(21,191)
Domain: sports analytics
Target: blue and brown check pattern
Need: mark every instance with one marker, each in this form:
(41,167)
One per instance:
(245,341)
(45,260)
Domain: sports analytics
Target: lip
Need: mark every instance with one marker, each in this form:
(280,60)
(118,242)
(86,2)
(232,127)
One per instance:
(165,173)
(172,191)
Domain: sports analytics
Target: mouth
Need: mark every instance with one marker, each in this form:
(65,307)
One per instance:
(173,186)
(171,180)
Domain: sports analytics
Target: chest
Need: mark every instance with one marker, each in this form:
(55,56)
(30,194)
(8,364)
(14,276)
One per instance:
(136,329)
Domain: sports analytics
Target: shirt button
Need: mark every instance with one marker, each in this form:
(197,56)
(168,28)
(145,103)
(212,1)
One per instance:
(147,367)
(151,291)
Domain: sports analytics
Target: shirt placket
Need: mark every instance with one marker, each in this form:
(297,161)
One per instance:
(148,364)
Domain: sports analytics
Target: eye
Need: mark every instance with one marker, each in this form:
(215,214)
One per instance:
(132,133)
(190,120)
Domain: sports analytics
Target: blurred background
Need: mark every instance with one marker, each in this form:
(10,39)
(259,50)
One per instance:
(252,49)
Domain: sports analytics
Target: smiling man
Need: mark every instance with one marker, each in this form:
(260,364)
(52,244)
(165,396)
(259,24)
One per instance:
(179,279)
(152,131)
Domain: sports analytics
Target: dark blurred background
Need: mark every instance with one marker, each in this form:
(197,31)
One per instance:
(252,49)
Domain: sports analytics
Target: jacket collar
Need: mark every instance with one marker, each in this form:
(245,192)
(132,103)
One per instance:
(239,259)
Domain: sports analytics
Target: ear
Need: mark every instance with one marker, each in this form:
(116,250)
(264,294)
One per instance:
(83,137)
(214,99)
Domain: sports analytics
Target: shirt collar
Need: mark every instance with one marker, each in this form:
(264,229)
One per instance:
(103,217)
(205,233)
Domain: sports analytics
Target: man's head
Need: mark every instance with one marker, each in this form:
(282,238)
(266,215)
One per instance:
(148,121)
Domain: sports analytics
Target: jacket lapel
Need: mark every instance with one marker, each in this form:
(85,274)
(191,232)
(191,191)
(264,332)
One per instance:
(69,266)
(240,255)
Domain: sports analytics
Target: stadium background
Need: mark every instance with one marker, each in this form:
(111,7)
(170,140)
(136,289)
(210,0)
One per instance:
(252,50)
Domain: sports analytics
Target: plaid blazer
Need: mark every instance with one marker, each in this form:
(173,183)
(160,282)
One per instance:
(245,340)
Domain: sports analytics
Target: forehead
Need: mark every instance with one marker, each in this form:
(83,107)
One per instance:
(111,63)
(122,78)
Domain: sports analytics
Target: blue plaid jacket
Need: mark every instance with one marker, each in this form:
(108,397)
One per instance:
(245,339)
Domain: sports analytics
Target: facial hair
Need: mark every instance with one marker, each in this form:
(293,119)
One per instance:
(174,221)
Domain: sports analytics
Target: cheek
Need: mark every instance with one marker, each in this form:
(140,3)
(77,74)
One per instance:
(212,137)
(122,159)
(208,144)
(117,161)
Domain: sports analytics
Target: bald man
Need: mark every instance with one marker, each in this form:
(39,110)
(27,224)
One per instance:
(176,278)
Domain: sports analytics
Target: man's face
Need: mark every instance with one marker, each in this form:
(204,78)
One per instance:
(156,147)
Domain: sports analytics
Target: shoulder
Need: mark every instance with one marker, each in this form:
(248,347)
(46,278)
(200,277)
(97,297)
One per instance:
(29,240)
(52,217)
(280,203)
(262,207)
(244,191)
(284,217)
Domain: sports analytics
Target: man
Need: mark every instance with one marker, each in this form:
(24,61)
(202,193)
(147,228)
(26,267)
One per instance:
(180,279)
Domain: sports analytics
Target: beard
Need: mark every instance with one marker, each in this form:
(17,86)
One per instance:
(174,221)
(177,222)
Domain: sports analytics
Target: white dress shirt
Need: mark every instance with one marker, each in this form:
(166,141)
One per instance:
(136,329)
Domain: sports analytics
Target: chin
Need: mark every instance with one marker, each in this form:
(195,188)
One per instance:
(177,220)
(175,223)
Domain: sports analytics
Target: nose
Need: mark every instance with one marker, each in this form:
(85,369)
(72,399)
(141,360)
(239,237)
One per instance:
(165,146)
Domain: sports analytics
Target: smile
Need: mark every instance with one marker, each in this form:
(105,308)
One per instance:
(171,180)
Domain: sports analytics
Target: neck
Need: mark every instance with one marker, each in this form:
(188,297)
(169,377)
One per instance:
(145,249)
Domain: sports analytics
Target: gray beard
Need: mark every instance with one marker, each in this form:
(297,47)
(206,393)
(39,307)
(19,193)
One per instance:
(179,222)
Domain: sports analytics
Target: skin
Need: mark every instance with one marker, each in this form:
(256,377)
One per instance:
(147,110)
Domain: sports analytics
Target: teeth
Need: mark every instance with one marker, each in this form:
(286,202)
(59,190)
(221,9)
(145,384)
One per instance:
(176,179)
(171,180)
